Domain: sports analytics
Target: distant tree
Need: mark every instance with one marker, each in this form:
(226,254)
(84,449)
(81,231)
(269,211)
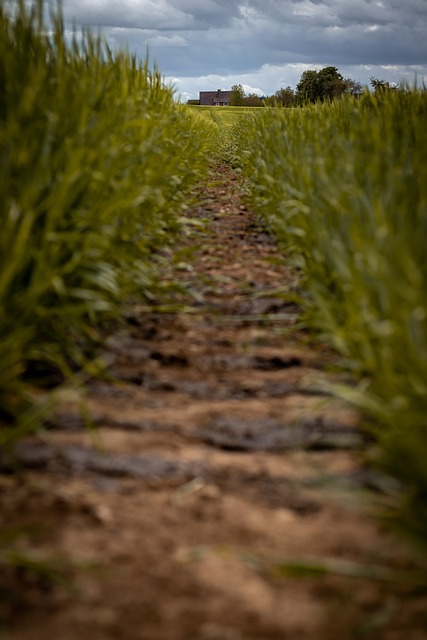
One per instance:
(353,88)
(285,97)
(252,100)
(330,83)
(381,86)
(307,88)
(237,95)
(377,84)
(323,86)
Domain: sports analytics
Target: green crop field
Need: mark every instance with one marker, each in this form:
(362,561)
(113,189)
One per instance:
(95,176)
(225,116)
(230,123)
(343,186)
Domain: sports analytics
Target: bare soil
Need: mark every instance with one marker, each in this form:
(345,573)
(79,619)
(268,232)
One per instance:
(215,457)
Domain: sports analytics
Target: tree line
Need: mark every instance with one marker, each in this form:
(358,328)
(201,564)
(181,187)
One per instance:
(324,85)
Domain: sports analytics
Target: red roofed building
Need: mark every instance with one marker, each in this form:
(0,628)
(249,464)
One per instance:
(215,98)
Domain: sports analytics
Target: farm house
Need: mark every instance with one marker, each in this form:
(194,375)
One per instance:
(217,98)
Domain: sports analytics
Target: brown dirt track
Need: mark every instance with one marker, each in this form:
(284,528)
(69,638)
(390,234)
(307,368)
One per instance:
(216,456)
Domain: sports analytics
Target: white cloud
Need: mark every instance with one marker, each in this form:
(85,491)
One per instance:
(167,41)
(249,89)
(372,27)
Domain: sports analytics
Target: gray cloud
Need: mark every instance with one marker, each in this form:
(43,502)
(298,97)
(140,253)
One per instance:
(161,15)
(198,38)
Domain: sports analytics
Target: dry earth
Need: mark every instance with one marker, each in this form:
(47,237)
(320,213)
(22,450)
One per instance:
(216,458)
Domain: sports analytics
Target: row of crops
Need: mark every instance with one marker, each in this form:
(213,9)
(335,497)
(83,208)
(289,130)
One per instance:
(97,165)
(343,186)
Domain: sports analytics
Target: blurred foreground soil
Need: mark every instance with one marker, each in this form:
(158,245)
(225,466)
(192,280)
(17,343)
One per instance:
(215,461)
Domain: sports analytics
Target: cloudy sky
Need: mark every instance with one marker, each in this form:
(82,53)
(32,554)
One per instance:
(264,44)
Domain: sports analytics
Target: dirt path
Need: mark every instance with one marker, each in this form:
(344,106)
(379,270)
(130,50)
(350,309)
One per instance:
(209,464)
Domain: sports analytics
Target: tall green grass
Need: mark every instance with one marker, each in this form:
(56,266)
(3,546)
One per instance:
(97,164)
(344,186)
